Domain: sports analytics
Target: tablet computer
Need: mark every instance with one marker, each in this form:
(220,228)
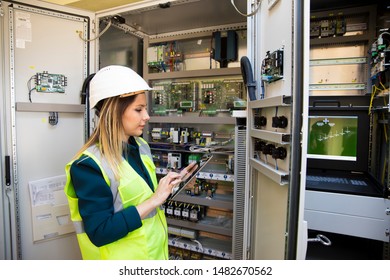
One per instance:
(187,178)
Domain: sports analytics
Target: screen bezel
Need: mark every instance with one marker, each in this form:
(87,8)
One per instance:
(361,163)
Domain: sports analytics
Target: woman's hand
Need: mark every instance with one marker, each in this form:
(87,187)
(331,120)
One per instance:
(164,189)
(187,172)
(171,180)
(165,186)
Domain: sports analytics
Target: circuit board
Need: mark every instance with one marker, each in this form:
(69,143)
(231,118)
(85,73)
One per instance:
(221,96)
(46,82)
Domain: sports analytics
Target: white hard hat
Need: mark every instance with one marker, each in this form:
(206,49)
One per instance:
(115,80)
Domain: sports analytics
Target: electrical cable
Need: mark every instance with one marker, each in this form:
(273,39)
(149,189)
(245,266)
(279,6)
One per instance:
(384,172)
(372,98)
(212,146)
(177,238)
(380,35)
(200,244)
(85,99)
(383,86)
(246,15)
(98,36)
(200,149)
(85,89)
(30,89)
(384,123)
(247,75)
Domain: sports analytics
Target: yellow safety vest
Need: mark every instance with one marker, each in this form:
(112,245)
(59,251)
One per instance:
(150,241)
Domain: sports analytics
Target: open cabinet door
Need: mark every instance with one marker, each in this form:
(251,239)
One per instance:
(277,53)
(43,124)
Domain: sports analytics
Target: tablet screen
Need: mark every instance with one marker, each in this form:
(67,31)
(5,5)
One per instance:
(189,176)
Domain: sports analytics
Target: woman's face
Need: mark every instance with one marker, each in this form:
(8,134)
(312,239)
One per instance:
(135,117)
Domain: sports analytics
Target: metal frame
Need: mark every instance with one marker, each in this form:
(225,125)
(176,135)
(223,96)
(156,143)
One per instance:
(18,249)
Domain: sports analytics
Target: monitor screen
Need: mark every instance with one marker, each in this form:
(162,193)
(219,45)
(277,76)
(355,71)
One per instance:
(332,137)
(338,139)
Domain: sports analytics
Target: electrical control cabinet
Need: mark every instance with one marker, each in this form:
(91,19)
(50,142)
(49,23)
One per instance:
(250,201)
(348,70)
(191,109)
(206,207)
(43,123)
(198,106)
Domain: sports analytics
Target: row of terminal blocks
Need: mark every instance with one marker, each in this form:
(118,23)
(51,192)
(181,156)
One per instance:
(184,211)
(328,27)
(182,135)
(175,160)
(189,135)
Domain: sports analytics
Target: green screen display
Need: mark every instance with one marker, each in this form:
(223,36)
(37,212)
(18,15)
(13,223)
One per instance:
(186,104)
(332,137)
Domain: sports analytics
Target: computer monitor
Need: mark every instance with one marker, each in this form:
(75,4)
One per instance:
(332,137)
(338,147)
(338,138)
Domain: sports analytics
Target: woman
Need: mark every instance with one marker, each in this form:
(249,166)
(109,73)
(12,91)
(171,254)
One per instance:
(112,188)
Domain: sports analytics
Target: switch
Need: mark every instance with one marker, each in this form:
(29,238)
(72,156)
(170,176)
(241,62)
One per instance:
(259,145)
(260,121)
(267,149)
(280,122)
(279,153)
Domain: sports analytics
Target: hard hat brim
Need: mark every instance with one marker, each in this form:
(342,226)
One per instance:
(132,93)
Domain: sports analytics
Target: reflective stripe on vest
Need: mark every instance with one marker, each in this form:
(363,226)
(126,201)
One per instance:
(114,184)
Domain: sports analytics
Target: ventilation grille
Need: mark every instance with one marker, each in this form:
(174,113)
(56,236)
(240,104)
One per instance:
(239,193)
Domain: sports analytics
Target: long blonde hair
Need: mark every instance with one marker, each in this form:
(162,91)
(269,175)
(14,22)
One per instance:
(109,133)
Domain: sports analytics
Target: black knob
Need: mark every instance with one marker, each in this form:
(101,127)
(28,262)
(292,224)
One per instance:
(280,122)
(260,121)
(263,121)
(259,145)
(267,149)
(279,153)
